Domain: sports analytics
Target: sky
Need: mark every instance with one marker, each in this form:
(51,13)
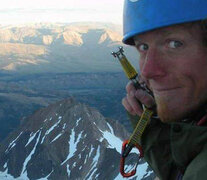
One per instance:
(63,11)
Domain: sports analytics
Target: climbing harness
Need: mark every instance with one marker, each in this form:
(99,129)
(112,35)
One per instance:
(135,139)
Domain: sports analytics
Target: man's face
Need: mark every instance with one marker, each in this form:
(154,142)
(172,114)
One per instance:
(173,63)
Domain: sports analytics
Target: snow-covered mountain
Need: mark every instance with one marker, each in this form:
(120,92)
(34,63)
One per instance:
(66,140)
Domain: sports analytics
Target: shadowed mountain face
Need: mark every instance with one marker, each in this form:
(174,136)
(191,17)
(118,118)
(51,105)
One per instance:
(66,140)
(60,48)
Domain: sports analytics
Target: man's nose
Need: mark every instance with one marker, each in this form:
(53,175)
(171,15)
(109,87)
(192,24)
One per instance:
(152,66)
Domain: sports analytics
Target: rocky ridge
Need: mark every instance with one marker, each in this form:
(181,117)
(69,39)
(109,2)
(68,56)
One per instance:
(66,140)
(59,48)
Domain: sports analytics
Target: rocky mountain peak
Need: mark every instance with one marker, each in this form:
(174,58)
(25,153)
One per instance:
(111,36)
(72,38)
(66,140)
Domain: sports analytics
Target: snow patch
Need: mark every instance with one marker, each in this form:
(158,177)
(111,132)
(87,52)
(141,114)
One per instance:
(78,120)
(111,129)
(51,129)
(32,136)
(113,141)
(24,171)
(5,176)
(13,143)
(64,126)
(68,170)
(5,165)
(72,145)
(74,165)
(142,170)
(91,150)
(94,164)
(56,137)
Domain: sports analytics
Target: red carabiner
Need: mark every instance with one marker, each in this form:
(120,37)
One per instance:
(126,149)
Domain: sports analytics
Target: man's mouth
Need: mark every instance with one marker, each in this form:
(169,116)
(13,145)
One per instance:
(165,90)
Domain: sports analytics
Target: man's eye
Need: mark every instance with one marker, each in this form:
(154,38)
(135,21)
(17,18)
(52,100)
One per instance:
(175,44)
(143,47)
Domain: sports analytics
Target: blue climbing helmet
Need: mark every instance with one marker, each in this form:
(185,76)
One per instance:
(144,15)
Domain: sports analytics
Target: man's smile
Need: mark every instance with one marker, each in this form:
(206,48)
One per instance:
(165,90)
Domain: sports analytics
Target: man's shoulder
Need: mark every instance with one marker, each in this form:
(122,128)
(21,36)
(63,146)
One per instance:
(197,169)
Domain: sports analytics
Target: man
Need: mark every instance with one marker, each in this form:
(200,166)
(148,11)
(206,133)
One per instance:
(171,38)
